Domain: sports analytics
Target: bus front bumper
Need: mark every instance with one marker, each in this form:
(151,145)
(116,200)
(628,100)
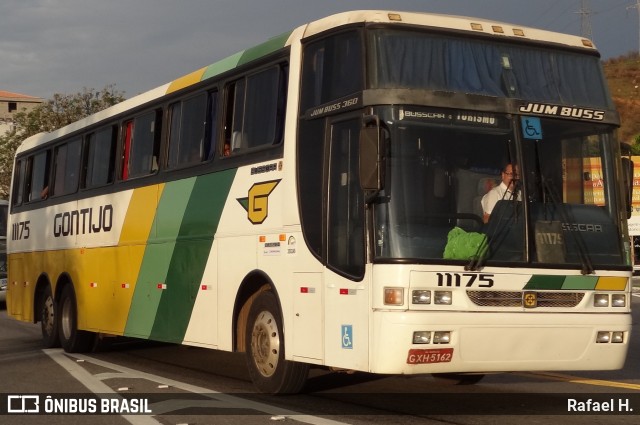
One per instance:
(496,342)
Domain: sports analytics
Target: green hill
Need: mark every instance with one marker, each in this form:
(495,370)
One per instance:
(623,75)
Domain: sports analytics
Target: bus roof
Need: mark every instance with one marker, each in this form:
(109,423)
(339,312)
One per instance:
(450,22)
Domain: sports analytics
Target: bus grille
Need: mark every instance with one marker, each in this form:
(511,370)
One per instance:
(514,299)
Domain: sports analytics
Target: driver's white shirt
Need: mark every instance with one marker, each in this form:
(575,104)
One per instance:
(498,193)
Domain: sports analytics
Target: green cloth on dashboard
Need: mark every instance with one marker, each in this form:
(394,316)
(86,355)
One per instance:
(463,245)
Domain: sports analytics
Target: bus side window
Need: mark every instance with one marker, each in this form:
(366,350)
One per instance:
(233,138)
(261,108)
(187,131)
(66,167)
(142,145)
(211,126)
(126,148)
(18,182)
(37,182)
(332,68)
(98,162)
(255,110)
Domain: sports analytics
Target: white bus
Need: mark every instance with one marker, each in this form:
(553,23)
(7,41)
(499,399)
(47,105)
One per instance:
(311,202)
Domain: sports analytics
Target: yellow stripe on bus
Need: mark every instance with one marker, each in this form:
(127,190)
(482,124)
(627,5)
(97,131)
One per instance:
(186,80)
(108,284)
(611,283)
(140,215)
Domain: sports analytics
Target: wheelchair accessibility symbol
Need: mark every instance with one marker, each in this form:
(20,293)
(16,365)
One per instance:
(347,336)
(531,128)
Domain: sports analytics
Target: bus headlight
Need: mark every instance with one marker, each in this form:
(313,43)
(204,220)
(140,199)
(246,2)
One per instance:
(422,337)
(618,300)
(601,300)
(441,337)
(421,296)
(603,337)
(617,337)
(442,297)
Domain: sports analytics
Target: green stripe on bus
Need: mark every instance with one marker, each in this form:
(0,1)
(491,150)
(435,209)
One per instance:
(545,282)
(580,282)
(264,49)
(246,56)
(222,66)
(551,282)
(157,256)
(189,258)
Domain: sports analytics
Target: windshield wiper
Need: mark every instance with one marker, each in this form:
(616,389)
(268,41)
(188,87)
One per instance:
(548,187)
(484,250)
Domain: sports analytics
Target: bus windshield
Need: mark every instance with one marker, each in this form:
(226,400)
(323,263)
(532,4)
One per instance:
(441,162)
(421,60)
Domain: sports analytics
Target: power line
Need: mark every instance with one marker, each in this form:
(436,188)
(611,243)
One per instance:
(558,15)
(585,19)
(637,7)
(607,9)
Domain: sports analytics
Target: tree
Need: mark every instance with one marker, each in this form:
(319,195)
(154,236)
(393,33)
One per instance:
(635,147)
(55,113)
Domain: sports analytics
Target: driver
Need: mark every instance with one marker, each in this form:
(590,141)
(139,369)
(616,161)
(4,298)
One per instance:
(503,191)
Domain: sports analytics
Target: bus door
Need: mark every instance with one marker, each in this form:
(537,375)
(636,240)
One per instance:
(347,333)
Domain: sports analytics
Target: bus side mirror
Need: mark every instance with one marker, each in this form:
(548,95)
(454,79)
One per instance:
(371,158)
(627,178)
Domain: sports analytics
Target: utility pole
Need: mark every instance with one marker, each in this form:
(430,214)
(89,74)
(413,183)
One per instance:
(585,19)
(637,7)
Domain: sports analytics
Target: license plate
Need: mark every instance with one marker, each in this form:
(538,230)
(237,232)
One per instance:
(431,355)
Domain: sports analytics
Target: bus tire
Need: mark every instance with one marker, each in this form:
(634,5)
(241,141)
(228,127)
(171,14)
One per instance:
(49,319)
(72,339)
(268,369)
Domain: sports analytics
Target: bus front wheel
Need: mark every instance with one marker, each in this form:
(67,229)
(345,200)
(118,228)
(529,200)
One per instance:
(48,320)
(72,339)
(269,370)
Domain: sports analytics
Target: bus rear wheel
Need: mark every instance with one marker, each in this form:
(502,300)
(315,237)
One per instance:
(72,339)
(269,370)
(49,320)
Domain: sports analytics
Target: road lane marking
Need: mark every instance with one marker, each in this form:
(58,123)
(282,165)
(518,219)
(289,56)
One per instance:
(94,385)
(579,380)
(216,399)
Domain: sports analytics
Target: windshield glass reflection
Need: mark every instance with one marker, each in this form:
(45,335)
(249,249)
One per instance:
(556,206)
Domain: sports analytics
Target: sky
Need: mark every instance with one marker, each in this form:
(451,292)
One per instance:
(63,46)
